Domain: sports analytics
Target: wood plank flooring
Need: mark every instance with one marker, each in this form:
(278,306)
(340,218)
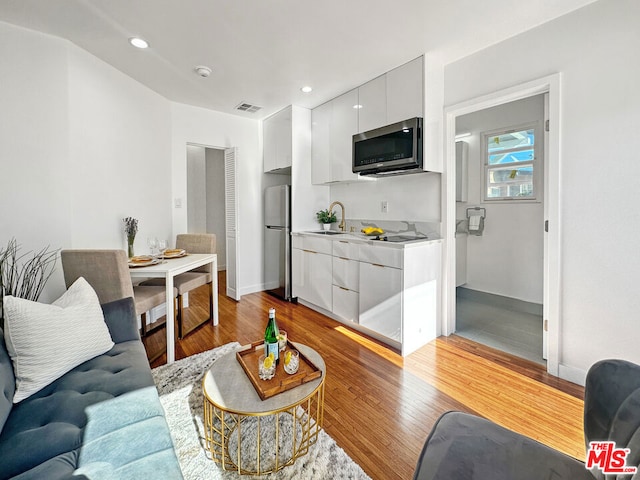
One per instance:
(380,407)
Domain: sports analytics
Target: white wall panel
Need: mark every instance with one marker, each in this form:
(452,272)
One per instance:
(600,117)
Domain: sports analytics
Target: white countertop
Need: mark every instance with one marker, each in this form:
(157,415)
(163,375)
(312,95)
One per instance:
(362,238)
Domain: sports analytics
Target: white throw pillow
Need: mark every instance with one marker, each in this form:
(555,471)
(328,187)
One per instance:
(46,341)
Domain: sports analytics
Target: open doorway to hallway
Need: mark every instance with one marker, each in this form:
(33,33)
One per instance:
(499,226)
(206,211)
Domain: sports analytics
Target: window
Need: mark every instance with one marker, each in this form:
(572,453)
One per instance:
(511,168)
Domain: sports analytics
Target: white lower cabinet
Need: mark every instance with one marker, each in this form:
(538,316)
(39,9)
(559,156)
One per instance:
(389,293)
(346,282)
(380,301)
(312,272)
(345,303)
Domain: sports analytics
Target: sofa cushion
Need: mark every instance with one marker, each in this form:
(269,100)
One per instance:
(466,447)
(7,382)
(47,432)
(612,408)
(46,341)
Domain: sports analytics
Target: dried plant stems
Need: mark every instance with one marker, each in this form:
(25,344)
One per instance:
(25,277)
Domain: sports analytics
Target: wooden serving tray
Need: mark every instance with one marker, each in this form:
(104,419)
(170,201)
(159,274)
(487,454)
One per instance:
(282,381)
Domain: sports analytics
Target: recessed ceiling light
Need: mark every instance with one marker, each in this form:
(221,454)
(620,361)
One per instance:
(306,89)
(138,42)
(357,107)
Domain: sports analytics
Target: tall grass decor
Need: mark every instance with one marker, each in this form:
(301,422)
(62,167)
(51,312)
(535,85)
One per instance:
(24,275)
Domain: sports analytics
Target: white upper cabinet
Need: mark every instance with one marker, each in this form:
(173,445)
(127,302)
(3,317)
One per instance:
(372,99)
(462,161)
(389,98)
(321,144)
(344,125)
(333,125)
(277,140)
(405,87)
(392,97)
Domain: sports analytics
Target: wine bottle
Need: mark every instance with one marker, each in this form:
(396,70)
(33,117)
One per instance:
(271,337)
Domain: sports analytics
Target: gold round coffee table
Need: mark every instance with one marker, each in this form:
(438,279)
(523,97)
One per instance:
(252,436)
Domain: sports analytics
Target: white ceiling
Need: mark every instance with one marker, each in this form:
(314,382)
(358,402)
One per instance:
(263,51)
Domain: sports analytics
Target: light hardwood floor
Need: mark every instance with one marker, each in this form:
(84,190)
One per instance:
(380,407)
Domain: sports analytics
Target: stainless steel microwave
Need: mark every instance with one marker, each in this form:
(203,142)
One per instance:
(392,150)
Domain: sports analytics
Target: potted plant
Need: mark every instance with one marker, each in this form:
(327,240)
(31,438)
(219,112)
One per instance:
(326,218)
(130,230)
(24,275)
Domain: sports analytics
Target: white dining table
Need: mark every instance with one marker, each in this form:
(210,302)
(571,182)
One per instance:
(168,269)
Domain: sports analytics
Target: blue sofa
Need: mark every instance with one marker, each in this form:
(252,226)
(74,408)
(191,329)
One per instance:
(101,420)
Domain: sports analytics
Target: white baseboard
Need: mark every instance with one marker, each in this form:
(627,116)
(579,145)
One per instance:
(260,287)
(572,374)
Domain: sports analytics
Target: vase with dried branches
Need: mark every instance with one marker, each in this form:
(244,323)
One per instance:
(130,230)
(24,275)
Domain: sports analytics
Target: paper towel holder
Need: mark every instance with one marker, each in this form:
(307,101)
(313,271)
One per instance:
(478,228)
(477,209)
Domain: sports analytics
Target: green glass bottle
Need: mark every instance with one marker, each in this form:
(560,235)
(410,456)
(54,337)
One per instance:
(271,336)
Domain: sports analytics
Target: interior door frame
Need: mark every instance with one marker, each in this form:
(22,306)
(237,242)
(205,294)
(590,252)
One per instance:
(552,273)
(232,261)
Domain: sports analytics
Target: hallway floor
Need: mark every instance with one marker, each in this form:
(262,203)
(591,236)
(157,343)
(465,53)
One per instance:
(486,319)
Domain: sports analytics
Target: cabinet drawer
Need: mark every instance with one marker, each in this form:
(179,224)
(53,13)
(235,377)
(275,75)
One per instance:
(389,257)
(297,241)
(346,273)
(344,249)
(316,244)
(345,304)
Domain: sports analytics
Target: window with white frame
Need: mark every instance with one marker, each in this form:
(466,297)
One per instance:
(511,165)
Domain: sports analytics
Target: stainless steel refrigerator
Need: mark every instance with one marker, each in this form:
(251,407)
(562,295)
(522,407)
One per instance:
(277,240)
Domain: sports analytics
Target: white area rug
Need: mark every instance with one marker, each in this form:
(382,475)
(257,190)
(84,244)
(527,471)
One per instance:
(180,389)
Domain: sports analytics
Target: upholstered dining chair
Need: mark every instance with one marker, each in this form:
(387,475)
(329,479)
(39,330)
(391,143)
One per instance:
(107,271)
(185,282)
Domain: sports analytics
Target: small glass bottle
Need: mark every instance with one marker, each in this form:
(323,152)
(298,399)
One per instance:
(271,337)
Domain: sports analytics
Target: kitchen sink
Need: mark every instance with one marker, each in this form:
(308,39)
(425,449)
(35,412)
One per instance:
(327,232)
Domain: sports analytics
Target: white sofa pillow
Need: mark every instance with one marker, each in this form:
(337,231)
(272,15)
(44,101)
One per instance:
(46,341)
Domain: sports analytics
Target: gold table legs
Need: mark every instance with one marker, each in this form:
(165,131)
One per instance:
(257,444)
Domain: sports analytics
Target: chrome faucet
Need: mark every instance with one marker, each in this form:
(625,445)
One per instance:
(342,226)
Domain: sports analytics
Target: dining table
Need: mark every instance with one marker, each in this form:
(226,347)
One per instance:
(168,268)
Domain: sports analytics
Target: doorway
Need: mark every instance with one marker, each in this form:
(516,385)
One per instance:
(499,259)
(211,204)
(550,189)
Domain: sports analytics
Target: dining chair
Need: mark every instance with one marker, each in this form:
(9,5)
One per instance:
(185,282)
(107,271)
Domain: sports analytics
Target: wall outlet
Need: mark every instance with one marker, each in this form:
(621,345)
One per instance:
(177,202)
(384,207)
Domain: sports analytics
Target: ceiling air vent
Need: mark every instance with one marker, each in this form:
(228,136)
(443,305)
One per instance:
(247,107)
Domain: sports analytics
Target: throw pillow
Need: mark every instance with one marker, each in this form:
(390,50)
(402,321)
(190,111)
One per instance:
(46,341)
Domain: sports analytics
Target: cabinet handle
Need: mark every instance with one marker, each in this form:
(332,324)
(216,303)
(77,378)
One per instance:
(343,241)
(308,251)
(377,265)
(343,258)
(342,288)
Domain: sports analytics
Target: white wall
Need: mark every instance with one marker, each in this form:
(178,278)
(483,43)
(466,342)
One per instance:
(214,129)
(83,146)
(196,189)
(306,199)
(595,50)
(508,258)
(34,143)
(215,199)
(414,197)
